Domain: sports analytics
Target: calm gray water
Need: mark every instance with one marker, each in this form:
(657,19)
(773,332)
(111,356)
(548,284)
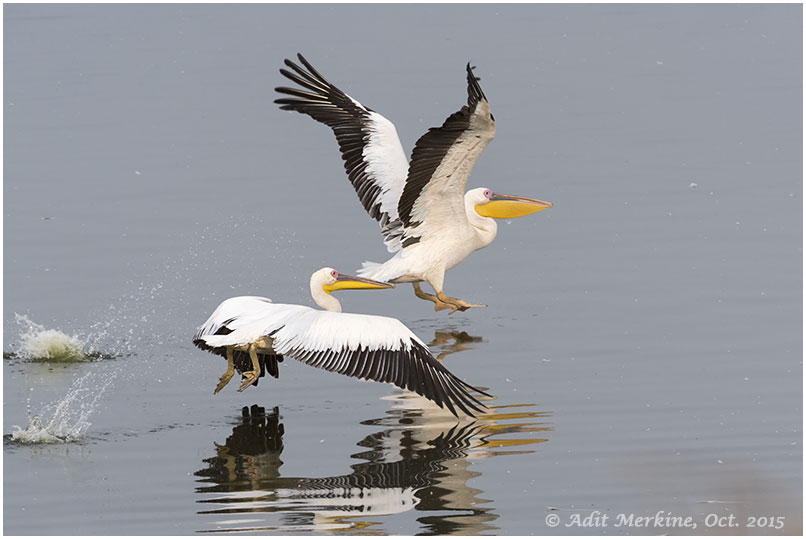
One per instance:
(643,337)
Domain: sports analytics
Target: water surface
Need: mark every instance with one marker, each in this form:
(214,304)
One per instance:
(643,337)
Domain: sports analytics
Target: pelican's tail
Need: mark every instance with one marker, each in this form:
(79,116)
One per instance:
(388,272)
(368,269)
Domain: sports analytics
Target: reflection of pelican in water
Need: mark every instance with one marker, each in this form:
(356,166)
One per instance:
(503,430)
(449,342)
(251,452)
(418,459)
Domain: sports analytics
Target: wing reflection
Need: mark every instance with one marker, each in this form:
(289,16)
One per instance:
(419,458)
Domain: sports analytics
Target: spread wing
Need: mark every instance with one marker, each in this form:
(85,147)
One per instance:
(433,198)
(373,157)
(375,348)
(363,346)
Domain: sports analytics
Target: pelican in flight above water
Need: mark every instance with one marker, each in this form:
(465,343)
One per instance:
(425,216)
(254,334)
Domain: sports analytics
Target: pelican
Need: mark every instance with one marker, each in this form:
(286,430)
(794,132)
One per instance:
(425,216)
(254,334)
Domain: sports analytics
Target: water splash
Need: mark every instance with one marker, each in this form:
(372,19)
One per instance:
(162,307)
(66,419)
(35,433)
(40,344)
(165,304)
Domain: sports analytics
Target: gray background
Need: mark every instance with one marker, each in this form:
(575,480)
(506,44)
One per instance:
(654,328)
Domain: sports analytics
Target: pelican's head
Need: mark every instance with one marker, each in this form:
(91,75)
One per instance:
(327,280)
(490,204)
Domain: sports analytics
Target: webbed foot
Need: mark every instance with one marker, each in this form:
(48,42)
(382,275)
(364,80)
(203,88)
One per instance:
(227,376)
(223,381)
(454,304)
(248,378)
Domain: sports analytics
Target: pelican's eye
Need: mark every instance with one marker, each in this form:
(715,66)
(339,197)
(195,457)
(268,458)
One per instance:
(488,193)
(334,274)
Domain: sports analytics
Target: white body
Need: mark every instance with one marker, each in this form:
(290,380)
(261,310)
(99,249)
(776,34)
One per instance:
(442,249)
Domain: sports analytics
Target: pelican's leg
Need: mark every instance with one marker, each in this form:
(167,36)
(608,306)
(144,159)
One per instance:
(227,376)
(251,376)
(439,305)
(455,304)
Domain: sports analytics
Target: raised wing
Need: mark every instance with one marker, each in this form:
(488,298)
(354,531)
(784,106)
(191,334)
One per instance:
(373,157)
(433,198)
(373,348)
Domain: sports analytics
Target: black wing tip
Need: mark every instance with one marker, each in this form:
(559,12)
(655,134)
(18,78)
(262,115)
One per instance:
(315,89)
(311,75)
(290,63)
(474,91)
(293,65)
(452,390)
(477,390)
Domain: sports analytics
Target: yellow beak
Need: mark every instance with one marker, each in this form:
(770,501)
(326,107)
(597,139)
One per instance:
(510,206)
(348,282)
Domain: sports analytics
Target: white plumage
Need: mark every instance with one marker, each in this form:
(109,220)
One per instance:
(425,216)
(254,334)
(387,163)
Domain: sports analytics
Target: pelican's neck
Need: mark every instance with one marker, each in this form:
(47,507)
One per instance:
(486,228)
(322,298)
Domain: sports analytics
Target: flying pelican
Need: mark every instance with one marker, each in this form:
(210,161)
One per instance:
(425,216)
(254,334)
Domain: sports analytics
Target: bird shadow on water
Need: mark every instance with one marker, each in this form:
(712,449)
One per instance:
(419,459)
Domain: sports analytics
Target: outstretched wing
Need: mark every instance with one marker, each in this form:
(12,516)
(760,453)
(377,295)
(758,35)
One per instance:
(433,198)
(363,346)
(373,157)
(373,348)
